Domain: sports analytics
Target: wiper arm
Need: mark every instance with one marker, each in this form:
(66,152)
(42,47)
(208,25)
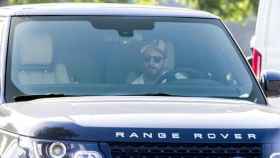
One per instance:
(32,97)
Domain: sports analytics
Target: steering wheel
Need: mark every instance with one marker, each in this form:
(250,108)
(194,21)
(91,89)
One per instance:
(181,74)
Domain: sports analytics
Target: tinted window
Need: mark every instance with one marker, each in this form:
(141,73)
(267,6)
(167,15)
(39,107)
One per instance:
(126,56)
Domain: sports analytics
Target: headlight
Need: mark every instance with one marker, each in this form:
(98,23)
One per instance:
(33,148)
(275,152)
(275,155)
(57,150)
(87,154)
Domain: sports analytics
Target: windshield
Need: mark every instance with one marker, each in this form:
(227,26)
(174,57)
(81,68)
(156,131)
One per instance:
(110,55)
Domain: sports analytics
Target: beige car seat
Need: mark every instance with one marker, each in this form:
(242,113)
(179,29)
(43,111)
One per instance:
(36,65)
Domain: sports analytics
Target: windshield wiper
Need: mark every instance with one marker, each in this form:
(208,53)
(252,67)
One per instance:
(150,94)
(32,97)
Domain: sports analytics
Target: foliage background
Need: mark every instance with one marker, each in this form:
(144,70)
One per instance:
(232,10)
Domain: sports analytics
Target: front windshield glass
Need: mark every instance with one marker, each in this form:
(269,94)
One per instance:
(105,55)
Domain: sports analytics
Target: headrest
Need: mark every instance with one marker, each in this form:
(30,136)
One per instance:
(36,49)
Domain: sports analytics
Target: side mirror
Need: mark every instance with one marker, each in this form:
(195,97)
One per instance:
(271,83)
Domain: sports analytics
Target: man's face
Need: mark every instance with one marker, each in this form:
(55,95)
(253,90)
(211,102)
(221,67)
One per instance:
(153,63)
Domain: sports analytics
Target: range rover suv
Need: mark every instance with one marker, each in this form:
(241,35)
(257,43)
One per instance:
(126,81)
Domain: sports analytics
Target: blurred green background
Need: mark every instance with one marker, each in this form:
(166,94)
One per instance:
(232,10)
(238,15)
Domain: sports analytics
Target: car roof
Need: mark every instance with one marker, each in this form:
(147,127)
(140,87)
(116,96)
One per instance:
(101,9)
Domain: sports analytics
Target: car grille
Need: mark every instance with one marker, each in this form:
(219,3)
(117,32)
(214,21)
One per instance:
(172,150)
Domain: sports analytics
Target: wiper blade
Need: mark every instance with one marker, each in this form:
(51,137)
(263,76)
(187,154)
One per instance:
(32,97)
(158,94)
(151,94)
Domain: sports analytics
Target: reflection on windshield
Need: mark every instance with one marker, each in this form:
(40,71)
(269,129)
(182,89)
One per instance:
(80,56)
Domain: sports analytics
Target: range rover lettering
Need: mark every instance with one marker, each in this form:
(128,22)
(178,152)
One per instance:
(129,81)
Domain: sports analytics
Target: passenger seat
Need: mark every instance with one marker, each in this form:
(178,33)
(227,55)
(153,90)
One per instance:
(37,64)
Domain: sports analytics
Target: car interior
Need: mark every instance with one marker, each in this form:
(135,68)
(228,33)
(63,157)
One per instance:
(76,53)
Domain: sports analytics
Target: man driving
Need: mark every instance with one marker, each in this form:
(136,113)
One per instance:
(154,55)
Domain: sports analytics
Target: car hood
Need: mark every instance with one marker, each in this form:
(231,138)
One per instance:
(95,118)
